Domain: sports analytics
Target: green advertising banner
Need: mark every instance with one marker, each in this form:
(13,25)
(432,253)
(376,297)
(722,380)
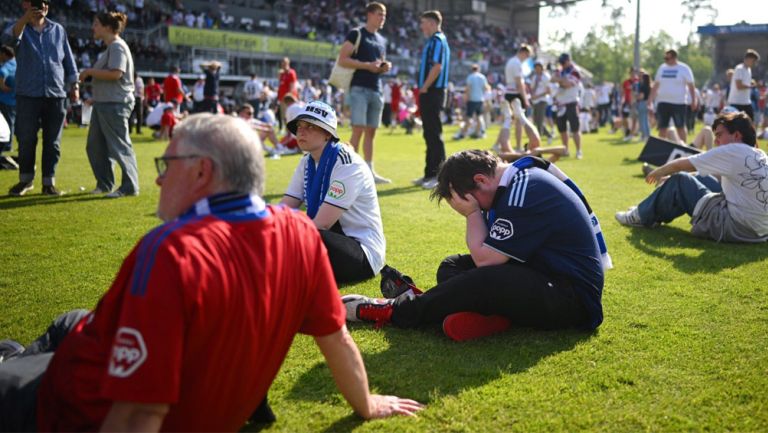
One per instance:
(237,41)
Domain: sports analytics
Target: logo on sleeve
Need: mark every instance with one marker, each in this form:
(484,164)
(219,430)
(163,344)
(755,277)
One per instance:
(128,352)
(336,190)
(501,230)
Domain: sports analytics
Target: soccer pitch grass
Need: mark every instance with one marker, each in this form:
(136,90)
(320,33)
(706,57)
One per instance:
(683,346)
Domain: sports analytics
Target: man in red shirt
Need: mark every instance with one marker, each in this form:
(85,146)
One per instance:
(288,82)
(172,89)
(628,110)
(202,312)
(152,93)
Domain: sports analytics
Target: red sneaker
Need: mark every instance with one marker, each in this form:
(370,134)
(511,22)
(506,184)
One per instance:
(364,309)
(468,326)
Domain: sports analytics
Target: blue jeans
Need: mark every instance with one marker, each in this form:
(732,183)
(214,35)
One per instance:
(9,112)
(642,115)
(31,115)
(365,106)
(675,197)
(108,140)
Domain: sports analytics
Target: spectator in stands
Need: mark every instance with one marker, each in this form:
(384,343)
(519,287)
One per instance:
(137,117)
(736,213)
(113,99)
(433,79)
(211,70)
(8,92)
(288,84)
(42,84)
(172,88)
(365,97)
(183,297)
(673,78)
(152,93)
(742,84)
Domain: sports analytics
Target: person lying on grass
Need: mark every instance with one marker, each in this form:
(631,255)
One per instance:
(734,211)
(536,255)
(201,314)
(340,194)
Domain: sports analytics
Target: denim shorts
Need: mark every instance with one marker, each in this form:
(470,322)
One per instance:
(366,106)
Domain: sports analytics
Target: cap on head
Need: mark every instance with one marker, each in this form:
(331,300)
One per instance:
(317,113)
(728,109)
(563,58)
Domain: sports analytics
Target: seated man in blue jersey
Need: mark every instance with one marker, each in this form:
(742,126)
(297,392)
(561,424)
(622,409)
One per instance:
(536,255)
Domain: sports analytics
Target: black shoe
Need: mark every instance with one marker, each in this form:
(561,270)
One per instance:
(51,190)
(10,349)
(20,189)
(263,414)
(394,283)
(7,163)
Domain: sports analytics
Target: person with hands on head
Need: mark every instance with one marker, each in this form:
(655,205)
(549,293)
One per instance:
(536,255)
(113,98)
(340,195)
(46,73)
(154,354)
(735,211)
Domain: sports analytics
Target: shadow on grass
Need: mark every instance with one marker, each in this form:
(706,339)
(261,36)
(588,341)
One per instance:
(8,202)
(425,365)
(680,247)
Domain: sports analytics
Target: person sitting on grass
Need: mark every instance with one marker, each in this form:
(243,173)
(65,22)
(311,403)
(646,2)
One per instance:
(263,129)
(536,255)
(200,316)
(340,194)
(739,213)
(533,147)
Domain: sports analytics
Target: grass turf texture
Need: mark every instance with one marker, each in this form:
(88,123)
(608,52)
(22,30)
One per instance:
(682,348)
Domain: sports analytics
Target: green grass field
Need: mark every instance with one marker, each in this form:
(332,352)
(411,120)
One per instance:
(683,346)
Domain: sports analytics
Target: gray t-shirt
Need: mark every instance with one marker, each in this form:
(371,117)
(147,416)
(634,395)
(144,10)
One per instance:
(117,56)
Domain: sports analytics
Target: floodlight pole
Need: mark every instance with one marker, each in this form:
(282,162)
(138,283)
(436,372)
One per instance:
(637,38)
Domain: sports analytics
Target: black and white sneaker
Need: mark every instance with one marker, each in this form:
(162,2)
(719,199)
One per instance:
(394,283)
(20,189)
(630,218)
(10,349)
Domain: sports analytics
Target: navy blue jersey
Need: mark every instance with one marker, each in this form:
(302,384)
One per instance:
(540,221)
(373,47)
(435,51)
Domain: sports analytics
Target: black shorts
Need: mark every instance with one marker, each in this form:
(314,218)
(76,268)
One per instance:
(569,116)
(666,111)
(512,96)
(474,107)
(747,108)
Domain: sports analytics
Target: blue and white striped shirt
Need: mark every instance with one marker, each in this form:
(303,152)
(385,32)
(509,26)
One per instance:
(435,51)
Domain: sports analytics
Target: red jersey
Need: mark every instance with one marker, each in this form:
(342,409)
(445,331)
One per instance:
(627,87)
(172,89)
(153,92)
(395,98)
(200,316)
(287,78)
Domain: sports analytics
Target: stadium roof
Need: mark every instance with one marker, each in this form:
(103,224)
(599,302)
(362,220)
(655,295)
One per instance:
(530,4)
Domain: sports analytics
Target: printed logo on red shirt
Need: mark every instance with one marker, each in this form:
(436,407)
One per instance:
(128,352)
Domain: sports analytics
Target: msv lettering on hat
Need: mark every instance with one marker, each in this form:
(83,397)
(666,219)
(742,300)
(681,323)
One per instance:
(316,110)
(128,352)
(501,230)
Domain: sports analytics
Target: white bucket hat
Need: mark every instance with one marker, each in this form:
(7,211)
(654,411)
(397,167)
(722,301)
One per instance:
(317,113)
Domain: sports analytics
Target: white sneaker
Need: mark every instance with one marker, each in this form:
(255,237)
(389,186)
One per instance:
(458,136)
(380,179)
(630,218)
(429,183)
(579,155)
(419,181)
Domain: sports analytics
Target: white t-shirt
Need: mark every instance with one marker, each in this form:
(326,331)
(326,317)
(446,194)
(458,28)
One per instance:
(673,83)
(351,188)
(740,96)
(512,72)
(604,94)
(743,172)
(588,99)
(539,86)
(156,115)
(568,95)
(713,99)
(252,89)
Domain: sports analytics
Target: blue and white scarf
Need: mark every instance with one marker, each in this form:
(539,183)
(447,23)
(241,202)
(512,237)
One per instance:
(535,162)
(317,180)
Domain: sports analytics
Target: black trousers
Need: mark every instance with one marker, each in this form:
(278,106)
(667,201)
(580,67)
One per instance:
(430,105)
(347,258)
(21,376)
(516,291)
(137,116)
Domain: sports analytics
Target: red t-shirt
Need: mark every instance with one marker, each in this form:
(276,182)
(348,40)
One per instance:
(287,79)
(627,87)
(395,98)
(172,89)
(153,92)
(168,119)
(200,316)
